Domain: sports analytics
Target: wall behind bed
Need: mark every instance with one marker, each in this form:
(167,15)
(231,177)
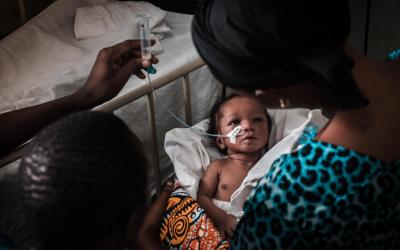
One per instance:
(374,25)
(14,13)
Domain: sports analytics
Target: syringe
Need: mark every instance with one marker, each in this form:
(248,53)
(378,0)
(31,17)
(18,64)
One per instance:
(145,43)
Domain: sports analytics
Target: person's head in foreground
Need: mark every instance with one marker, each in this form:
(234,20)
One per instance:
(244,111)
(81,180)
(287,53)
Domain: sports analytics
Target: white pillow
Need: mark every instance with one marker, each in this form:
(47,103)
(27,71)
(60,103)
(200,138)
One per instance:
(191,152)
(103,18)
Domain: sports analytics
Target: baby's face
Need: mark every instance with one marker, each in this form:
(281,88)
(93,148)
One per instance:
(248,113)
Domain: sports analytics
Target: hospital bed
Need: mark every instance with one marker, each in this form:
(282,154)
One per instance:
(43,60)
(183,84)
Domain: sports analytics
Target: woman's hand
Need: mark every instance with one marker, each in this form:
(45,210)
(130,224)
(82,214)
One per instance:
(112,69)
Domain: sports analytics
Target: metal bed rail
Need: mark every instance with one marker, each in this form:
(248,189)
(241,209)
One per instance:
(145,90)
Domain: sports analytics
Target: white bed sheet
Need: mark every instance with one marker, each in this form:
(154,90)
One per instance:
(42,60)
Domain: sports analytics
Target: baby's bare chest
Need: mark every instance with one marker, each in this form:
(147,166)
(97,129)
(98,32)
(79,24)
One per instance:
(229,180)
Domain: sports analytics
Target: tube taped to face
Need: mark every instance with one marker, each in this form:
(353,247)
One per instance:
(234,134)
(276,43)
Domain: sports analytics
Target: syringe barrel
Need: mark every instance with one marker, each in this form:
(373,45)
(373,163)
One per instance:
(144,31)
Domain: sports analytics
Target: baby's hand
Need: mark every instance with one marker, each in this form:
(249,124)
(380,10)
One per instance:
(227,226)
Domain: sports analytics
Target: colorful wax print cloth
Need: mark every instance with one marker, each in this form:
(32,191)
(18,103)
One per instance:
(185,224)
(323,196)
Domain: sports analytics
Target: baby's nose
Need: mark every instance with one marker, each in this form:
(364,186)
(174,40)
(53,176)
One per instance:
(247,126)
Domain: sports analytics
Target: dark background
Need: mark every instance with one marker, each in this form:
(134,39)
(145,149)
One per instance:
(11,19)
(375,23)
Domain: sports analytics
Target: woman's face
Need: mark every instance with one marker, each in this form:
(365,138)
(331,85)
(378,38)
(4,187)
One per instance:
(248,113)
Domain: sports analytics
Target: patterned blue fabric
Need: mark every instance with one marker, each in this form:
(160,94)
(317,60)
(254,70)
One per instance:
(323,196)
(5,244)
(393,55)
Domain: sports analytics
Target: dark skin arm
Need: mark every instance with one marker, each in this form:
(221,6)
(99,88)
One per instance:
(208,185)
(148,237)
(112,69)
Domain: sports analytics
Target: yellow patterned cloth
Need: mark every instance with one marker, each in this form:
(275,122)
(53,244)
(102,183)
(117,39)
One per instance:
(186,225)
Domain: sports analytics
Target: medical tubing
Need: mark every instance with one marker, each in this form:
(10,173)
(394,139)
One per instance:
(198,131)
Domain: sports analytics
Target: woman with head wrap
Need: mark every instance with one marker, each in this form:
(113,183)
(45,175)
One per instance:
(341,187)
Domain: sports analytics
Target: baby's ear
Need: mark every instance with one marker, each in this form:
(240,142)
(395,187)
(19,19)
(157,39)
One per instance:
(220,143)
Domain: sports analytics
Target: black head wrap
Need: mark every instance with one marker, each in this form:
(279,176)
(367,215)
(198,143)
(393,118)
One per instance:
(276,43)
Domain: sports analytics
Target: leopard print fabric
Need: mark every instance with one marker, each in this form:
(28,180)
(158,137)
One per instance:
(323,196)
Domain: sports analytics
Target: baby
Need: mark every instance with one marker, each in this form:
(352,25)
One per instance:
(224,176)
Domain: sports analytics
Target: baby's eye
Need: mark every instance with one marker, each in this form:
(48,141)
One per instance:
(234,123)
(258,119)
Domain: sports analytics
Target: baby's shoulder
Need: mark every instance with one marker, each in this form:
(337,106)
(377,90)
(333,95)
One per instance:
(216,164)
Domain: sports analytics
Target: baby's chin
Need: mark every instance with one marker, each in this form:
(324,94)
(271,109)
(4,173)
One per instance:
(248,149)
(248,144)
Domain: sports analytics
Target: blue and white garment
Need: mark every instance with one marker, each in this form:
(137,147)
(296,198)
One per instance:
(323,196)
(5,243)
(393,55)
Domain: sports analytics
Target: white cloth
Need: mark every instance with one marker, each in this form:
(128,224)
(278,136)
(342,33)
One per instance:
(92,21)
(191,153)
(227,207)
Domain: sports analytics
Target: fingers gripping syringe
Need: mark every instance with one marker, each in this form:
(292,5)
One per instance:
(145,43)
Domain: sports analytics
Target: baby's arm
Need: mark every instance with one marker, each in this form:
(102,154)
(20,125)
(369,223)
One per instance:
(208,186)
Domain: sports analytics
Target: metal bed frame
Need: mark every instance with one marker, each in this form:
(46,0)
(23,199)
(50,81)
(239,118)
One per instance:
(145,90)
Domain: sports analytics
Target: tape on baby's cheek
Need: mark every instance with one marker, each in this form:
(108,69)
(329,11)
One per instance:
(234,134)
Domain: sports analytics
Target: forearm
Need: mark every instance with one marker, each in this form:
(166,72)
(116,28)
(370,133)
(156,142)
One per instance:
(148,236)
(106,79)
(149,239)
(16,127)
